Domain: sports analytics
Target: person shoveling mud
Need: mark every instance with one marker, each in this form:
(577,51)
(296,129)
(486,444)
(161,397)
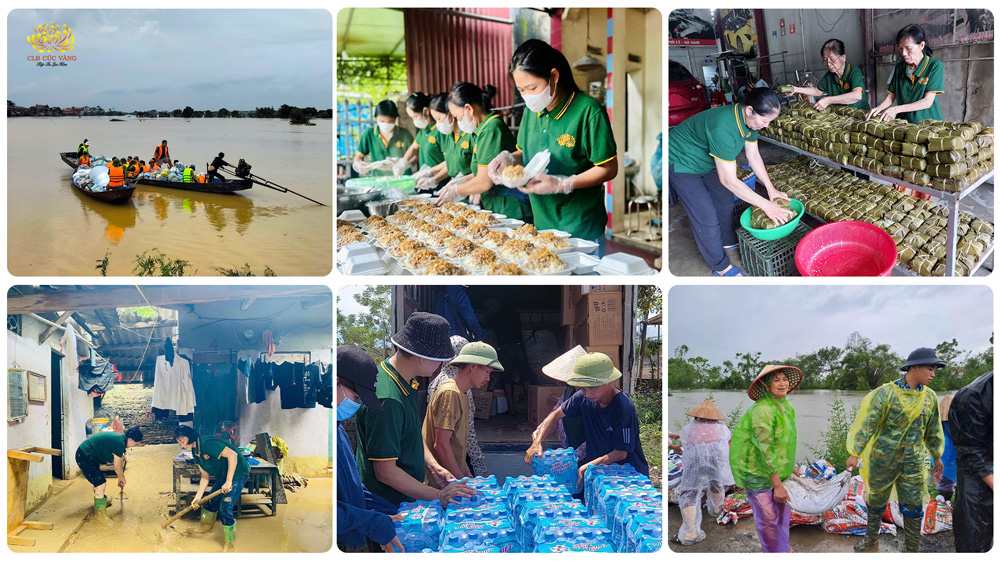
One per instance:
(105,447)
(216,459)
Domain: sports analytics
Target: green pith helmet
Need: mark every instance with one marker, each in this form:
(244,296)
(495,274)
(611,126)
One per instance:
(594,370)
(480,354)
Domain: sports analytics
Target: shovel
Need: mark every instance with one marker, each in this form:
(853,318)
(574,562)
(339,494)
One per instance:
(190,508)
(121,500)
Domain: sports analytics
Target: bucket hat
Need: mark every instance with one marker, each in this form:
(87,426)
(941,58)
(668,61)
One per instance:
(561,368)
(793,373)
(480,354)
(426,336)
(357,367)
(593,370)
(706,409)
(923,357)
(944,405)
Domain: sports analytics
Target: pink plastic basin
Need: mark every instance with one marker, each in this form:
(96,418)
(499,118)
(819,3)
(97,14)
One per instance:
(846,248)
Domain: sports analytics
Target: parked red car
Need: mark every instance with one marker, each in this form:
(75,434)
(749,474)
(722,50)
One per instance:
(687,95)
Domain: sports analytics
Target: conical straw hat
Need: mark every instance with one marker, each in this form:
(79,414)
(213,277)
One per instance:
(561,368)
(944,405)
(793,373)
(706,409)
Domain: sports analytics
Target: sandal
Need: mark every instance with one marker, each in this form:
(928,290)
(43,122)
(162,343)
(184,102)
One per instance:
(731,272)
(676,540)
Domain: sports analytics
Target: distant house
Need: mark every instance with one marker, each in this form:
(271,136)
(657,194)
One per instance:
(72,111)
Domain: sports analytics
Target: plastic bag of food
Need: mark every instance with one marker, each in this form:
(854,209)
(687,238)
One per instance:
(516,176)
(937,516)
(814,496)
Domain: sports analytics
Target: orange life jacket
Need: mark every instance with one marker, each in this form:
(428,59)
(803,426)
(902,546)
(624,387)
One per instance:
(117,176)
(160,151)
(84,159)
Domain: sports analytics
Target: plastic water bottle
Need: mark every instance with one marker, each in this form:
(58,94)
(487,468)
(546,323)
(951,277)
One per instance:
(613,480)
(527,524)
(488,482)
(595,471)
(477,514)
(415,542)
(647,538)
(471,548)
(573,539)
(423,517)
(628,513)
(568,526)
(561,464)
(502,538)
(513,484)
(609,499)
(554,494)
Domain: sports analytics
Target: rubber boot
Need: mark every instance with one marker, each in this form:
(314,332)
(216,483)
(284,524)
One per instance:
(101,508)
(870,538)
(107,501)
(230,538)
(911,534)
(207,521)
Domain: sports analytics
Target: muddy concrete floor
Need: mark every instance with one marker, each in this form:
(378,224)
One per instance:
(305,524)
(742,538)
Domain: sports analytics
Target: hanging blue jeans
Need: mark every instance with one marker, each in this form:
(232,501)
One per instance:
(225,504)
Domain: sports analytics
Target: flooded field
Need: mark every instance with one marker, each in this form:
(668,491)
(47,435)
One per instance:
(305,524)
(53,229)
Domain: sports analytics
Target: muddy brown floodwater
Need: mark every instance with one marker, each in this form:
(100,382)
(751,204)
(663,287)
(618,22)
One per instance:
(53,229)
(305,524)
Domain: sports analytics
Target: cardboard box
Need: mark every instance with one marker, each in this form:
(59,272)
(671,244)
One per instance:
(599,320)
(613,352)
(484,402)
(567,307)
(541,401)
(569,339)
(592,289)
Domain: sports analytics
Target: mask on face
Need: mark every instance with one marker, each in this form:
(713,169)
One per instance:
(386,128)
(420,123)
(467,125)
(444,127)
(538,102)
(346,409)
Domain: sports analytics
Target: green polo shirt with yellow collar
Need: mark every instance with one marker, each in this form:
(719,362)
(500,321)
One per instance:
(851,78)
(372,144)
(429,141)
(490,139)
(927,77)
(457,152)
(390,435)
(577,134)
(714,133)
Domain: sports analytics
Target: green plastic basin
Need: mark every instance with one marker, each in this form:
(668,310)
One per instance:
(777,232)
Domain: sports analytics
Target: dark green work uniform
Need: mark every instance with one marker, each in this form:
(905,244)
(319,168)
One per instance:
(390,435)
(372,144)
(928,77)
(577,134)
(208,455)
(457,153)
(490,139)
(848,81)
(103,446)
(714,133)
(429,141)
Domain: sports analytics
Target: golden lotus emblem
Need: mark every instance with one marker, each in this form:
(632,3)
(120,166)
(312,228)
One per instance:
(51,37)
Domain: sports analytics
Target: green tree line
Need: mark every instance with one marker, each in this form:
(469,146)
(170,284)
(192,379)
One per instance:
(860,365)
(292,113)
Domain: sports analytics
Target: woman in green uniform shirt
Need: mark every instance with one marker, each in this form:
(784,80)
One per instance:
(702,172)
(575,129)
(915,83)
(843,85)
(470,105)
(383,141)
(455,143)
(425,152)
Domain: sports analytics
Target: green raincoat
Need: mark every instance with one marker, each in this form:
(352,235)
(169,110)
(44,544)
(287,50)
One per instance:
(894,431)
(763,443)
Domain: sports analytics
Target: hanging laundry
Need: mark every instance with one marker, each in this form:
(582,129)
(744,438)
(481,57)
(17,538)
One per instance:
(173,388)
(96,375)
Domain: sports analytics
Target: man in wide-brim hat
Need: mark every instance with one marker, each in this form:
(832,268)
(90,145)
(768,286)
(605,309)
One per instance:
(446,425)
(609,420)
(896,427)
(392,458)
(570,429)
(706,460)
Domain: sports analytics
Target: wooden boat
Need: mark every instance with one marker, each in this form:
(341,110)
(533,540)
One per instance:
(227,187)
(113,195)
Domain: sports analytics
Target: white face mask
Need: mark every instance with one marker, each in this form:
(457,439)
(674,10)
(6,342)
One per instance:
(467,125)
(444,127)
(538,102)
(420,122)
(386,128)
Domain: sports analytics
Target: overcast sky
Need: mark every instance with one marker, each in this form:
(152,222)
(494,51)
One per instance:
(782,321)
(164,59)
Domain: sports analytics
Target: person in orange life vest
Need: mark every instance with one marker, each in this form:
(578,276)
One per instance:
(161,152)
(117,174)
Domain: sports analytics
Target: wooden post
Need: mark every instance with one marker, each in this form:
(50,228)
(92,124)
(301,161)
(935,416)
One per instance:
(18,461)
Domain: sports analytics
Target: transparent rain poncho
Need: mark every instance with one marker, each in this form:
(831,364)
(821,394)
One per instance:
(894,431)
(764,443)
(706,466)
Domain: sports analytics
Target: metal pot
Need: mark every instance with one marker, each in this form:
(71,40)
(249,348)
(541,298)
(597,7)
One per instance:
(382,208)
(351,198)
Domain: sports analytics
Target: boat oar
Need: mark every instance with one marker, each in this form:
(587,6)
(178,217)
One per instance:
(270,185)
(190,508)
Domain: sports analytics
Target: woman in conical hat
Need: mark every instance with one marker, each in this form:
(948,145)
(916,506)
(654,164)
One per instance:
(705,460)
(762,453)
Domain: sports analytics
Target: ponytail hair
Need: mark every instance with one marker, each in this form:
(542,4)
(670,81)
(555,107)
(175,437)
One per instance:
(763,101)
(916,33)
(539,59)
(387,108)
(465,93)
(439,103)
(418,102)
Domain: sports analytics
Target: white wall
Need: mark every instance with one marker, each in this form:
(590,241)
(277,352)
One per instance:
(653,94)
(815,28)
